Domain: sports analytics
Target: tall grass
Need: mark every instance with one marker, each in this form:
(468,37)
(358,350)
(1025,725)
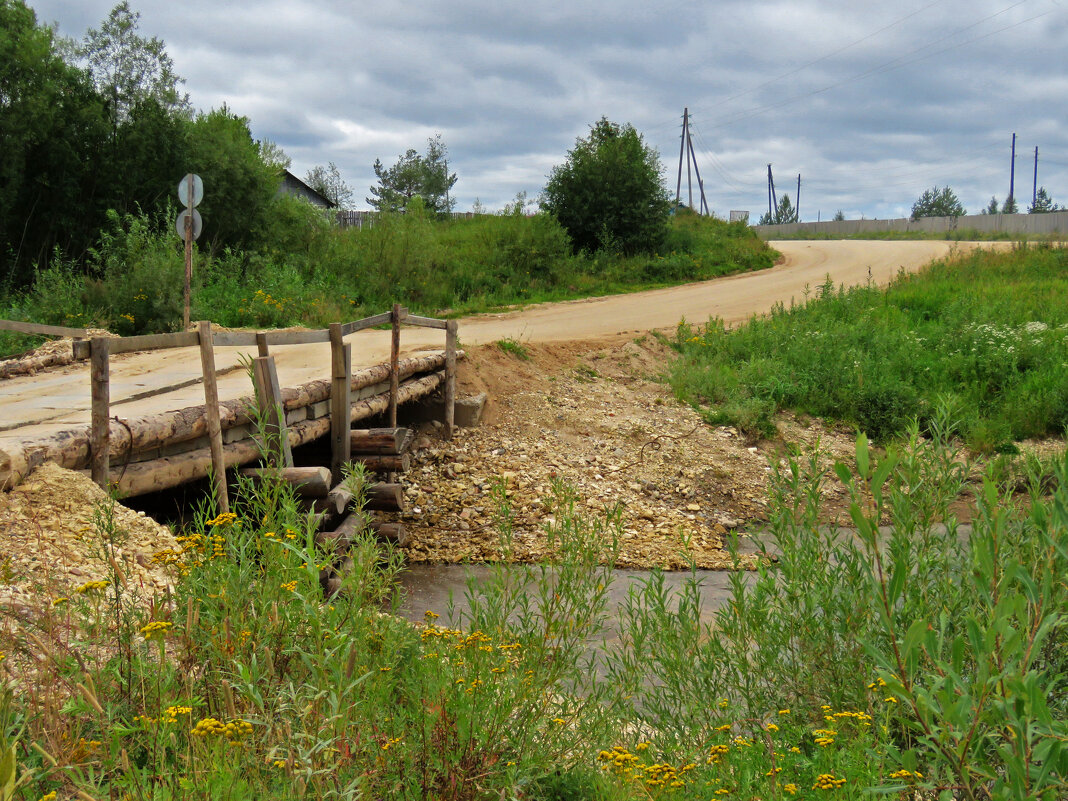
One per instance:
(927,661)
(309,273)
(985,334)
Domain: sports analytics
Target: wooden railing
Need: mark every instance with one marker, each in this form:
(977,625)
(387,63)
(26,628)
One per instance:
(100,349)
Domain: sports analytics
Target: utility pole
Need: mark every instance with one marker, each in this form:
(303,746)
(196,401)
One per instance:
(797,205)
(686,136)
(1012,173)
(773,202)
(682,151)
(771,211)
(700,183)
(1034,186)
(687,154)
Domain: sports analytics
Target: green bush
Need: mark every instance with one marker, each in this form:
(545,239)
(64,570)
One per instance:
(608,194)
(138,275)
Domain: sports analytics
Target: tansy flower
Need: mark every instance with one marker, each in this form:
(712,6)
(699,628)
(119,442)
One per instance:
(155,630)
(827,781)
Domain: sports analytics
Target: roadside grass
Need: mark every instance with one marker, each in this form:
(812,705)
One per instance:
(898,664)
(986,334)
(514,347)
(311,274)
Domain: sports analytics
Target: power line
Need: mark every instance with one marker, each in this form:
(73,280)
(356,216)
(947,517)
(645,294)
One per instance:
(888,66)
(832,54)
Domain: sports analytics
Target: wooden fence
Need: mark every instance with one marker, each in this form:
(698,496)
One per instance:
(265,376)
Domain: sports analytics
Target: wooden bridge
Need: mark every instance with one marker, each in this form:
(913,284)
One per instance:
(164,441)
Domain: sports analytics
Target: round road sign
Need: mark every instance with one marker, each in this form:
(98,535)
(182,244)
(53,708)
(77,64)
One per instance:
(198,190)
(198,223)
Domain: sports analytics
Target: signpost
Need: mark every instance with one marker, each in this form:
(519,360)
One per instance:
(189,226)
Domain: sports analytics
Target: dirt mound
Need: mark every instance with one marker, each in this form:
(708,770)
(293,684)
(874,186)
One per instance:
(52,542)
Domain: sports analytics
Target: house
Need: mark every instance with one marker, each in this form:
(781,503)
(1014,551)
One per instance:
(292,185)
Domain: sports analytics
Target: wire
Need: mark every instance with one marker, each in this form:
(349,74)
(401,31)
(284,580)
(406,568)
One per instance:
(832,54)
(888,66)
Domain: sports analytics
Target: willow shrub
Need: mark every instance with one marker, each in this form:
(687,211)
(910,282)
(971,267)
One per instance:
(951,640)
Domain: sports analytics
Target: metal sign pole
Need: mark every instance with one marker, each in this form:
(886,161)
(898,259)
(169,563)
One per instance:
(188,249)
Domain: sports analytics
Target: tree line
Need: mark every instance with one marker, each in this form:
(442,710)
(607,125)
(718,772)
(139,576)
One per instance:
(943,202)
(101,124)
(99,128)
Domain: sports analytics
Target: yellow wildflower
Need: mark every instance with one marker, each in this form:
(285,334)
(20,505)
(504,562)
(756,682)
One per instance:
(156,629)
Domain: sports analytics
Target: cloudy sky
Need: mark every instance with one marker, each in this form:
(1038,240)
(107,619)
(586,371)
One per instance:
(870,102)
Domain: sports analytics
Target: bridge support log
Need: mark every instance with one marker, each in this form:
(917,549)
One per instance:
(384,463)
(307,482)
(380,440)
(385,497)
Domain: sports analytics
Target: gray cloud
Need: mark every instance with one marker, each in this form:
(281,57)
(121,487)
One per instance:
(872,103)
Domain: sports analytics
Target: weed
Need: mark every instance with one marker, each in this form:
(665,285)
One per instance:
(918,659)
(585,373)
(513,347)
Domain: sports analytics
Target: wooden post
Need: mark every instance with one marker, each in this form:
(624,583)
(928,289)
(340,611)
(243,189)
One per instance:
(340,400)
(261,344)
(450,377)
(99,446)
(272,414)
(211,413)
(394,372)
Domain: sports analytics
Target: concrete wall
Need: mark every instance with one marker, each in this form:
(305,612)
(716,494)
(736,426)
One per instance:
(1053,223)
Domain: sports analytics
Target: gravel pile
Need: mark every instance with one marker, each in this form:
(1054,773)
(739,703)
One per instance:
(51,545)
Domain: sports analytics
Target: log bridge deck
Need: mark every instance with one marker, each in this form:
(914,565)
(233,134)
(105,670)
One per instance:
(163,441)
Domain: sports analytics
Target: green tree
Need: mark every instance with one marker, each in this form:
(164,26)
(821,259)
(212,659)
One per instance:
(839,216)
(239,185)
(992,206)
(609,192)
(1043,203)
(784,213)
(327,181)
(52,129)
(414,175)
(1010,206)
(128,68)
(937,202)
(150,156)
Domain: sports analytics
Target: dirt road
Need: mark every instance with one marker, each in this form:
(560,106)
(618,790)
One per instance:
(58,399)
